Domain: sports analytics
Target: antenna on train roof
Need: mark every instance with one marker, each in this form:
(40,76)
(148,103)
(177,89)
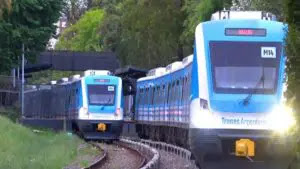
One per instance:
(233,15)
(96,72)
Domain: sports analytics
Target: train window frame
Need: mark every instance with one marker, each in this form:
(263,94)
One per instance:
(157,99)
(173,92)
(153,95)
(164,94)
(89,87)
(169,96)
(182,89)
(146,96)
(139,98)
(266,63)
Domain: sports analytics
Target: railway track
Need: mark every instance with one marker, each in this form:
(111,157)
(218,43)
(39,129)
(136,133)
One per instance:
(119,155)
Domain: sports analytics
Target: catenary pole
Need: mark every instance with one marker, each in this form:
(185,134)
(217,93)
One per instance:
(23,81)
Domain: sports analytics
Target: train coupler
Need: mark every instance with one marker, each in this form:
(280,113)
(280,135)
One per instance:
(245,148)
(101,127)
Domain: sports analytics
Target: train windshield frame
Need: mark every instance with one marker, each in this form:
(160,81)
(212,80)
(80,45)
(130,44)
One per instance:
(245,67)
(103,95)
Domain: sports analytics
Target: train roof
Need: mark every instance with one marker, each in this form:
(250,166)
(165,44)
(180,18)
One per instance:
(173,67)
(77,77)
(232,15)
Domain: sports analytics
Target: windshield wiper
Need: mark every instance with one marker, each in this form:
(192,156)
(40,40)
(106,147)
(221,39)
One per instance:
(102,108)
(248,98)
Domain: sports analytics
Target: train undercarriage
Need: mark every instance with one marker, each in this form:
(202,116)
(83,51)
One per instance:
(213,149)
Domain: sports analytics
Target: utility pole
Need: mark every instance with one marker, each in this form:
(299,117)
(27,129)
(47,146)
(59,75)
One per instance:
(23,81)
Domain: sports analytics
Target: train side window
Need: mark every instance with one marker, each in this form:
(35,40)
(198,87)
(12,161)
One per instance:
(157,95)
(149,95)
(153,95)
(158,98)
(177,91)
(163,94)
(173,93)
(140,97)
(182,89)
(186,88)
(168,93)
(146,96)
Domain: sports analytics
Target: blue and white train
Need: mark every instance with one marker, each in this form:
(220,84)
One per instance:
(96,104)
(226,98)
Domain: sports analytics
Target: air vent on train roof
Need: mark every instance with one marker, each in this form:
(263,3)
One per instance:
(75,77)
(221,15)
(63,80)
(156,71)
(174,66)
(187,60)
(96,72)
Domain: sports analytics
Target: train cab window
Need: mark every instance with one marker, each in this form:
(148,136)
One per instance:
(101,94)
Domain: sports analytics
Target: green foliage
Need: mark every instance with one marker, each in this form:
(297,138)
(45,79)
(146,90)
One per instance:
(292,14)
(199,11)
(74,9)
(13,113)
(46,76)
(150,32)
(21,148)
(29,22)
(5,6)
(145,33)
(111,26)
(273,6)
(84,35)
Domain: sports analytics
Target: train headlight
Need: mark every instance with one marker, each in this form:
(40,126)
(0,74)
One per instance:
(202,119)
(282,119)
(83,111)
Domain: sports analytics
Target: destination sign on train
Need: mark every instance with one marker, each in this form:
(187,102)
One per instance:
(245,32)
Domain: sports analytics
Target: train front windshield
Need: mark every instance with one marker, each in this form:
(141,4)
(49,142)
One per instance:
(101,94)
(245,67)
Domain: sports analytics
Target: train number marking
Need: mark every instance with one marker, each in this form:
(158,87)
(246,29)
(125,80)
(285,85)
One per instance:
(111,88)
(268,52)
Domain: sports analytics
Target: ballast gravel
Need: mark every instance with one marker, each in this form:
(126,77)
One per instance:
(119,157)
(170,160)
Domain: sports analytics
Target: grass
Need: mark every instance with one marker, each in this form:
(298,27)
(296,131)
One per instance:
(11,112)
(21,148)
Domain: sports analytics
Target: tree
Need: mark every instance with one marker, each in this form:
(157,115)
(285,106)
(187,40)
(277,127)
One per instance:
(273,6)
(110,29)
(292,15)
(74,9)
(30,22)
(83,35)
(5,5)
(199,11)
(150,31)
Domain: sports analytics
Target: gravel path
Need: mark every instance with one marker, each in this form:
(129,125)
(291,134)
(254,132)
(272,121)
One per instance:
(172,161)
(119,157)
